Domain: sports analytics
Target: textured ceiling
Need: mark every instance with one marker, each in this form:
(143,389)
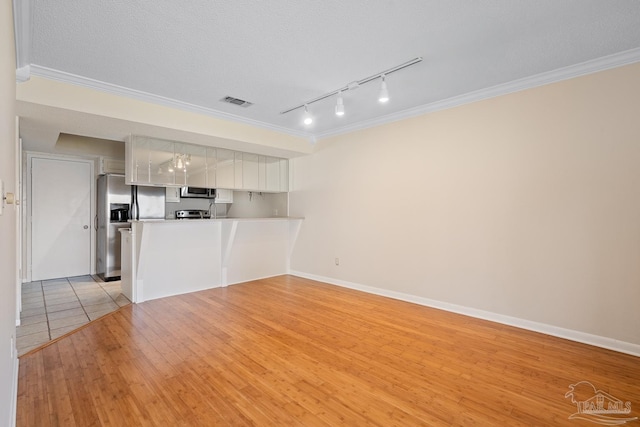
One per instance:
(279,54)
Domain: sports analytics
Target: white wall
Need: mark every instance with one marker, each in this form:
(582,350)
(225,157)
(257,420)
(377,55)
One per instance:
(526,205)
(8,363)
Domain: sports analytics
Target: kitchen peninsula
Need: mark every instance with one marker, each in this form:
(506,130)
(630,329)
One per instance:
(179,256)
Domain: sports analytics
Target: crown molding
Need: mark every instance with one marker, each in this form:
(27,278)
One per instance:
(593,66)
(61,76)
(23,74)
(589,67)
(22,34)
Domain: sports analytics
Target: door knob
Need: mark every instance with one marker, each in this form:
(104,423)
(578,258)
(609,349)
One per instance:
(85,227)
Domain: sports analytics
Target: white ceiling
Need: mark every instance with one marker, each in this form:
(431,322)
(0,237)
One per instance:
(279,54)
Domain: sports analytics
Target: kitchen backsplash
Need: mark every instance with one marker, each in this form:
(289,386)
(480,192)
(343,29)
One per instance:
(259,205)
(244,206)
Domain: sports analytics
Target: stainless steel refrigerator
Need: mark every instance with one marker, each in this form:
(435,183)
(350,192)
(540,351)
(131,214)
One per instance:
(114,206)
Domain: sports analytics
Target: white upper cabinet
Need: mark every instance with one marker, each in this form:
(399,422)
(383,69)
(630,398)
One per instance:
(238,156)
(212,164)
(250,171)
(191,165)
(284,175)
(272,174)
(224,196)
(225,168)
(151,161)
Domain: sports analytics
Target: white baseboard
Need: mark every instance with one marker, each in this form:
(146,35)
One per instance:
(570,334)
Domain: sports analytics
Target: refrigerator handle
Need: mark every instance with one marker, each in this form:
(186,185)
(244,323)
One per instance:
(135,208)
(95,222)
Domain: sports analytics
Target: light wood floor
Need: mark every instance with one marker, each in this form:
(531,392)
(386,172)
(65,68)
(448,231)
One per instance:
(290,351)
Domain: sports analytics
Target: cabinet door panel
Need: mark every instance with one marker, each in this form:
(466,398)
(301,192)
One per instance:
(239,166)
(272,174)
(225,169)
(161,162)
(284,176)
(212,164)
(139,161)
(191,165)
(224,196)
(250,171)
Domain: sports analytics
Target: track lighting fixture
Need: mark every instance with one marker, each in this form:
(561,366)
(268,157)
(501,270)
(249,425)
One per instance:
(307,117)
(340,105)
(384,93)
(339,108)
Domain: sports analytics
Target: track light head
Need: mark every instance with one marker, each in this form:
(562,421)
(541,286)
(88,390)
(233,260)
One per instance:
(307,117)
(384,93)
(340,105)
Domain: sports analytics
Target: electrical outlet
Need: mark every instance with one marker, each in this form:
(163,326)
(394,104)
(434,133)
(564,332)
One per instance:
(337,261)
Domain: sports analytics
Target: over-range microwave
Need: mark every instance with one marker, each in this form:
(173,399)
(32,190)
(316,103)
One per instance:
(198,192)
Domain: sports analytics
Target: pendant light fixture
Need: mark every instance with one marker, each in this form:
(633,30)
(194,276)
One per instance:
(340,105)
(307,117)
(384,93)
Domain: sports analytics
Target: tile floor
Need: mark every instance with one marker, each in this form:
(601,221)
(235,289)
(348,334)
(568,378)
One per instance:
(52,308)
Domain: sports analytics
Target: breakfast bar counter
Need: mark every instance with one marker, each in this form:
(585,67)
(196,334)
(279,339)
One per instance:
(171,257)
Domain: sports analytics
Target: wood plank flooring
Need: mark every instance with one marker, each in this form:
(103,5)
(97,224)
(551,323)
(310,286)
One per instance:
(291,351)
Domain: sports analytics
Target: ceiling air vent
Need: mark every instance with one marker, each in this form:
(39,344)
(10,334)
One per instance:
(236,101)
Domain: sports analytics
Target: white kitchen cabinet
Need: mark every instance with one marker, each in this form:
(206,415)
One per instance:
(238,168)
(212,164)
(272,175)
(191,165)
(262,173)
(250,172)
(136,161)
(150,162)
(225,168)
(172,194)
(224,195)
(284,176)
(161,157)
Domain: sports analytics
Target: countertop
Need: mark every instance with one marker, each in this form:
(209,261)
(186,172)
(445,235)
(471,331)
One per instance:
(275,218)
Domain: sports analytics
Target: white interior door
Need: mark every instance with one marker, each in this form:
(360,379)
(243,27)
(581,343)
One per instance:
(60,218)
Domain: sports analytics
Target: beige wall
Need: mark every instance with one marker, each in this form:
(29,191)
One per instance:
(85,146)
(78,110)
(8,364)
(526,205)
